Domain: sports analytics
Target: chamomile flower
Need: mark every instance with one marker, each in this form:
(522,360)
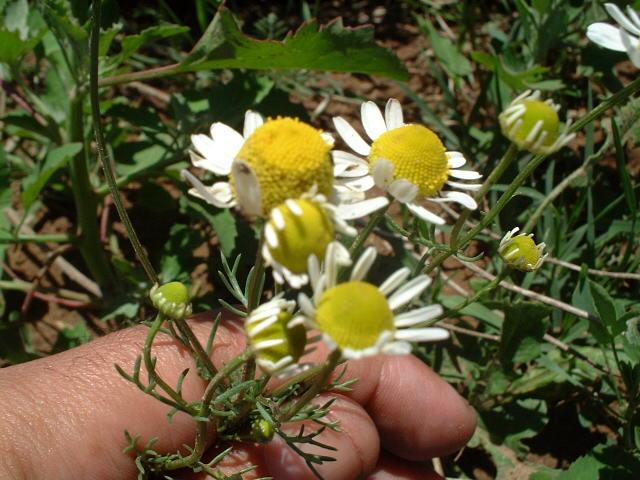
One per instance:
(534,125)
(407,160)
(277,339)
(361,319)
(625,38)
(521,252)
(300,228)
(271,161)
(172,299)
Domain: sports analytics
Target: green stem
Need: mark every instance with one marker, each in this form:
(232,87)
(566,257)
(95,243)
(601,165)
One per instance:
(102,151)
(315,389)
(150,365)
(529,168)
(356,246)
(196,346)
(203,424)
(494,176)
(85,201)
(140,76)
(468,301)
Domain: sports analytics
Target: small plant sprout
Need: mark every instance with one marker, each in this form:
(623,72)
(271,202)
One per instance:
(298,229)
(360,319)
(533,125)
(271,161)
(407,160)
(625,38)
(172,299)
(277,339)
(521,252)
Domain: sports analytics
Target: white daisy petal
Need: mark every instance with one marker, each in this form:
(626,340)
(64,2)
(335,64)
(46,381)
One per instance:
(459,197)
(393,114)
(403,190)
(606,36)
(351,211)
(423,334)
(350,136)
(382,172)
(425,214)
(394,281)
(328,138)
(218,195)
(247,188)
(361,184)
(306,306)
(465,186)
(372,120)
(418,315)
(218,164)
(635,18)
(363,265)
(397,348)
(227,139)
(346,164)
(409,291)
(252,120)
(621,18)
(465,174)
(630,43)
(455,159)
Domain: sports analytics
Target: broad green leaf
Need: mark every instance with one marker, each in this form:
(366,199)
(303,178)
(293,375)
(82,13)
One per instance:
(16,16)
(476,310)
(12,47)
(332,47)
(132,43)
(522,331)
(449,58)
(603,462)
(34,183)
(72,336)
(606,308)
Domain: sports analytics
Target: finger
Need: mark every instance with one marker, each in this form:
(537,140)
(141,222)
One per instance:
(392,468)
(355,448)
(64,416)
(419,415)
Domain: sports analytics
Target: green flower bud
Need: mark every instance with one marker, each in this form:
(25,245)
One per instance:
(172,299)
(521,252)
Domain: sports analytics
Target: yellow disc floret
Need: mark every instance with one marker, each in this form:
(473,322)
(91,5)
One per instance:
(304,232)
(354,315)
(287,158)
(417,155)
(521,252)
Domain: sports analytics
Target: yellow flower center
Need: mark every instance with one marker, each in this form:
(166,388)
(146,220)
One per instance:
(303,235)
(417,155)
(535,110)
(520,252)
(287,157)
(293,339)
(354,314)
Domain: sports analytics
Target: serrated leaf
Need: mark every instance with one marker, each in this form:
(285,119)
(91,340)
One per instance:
(454,63)
(56,158)
(603,462)
(332,47)
(132,43)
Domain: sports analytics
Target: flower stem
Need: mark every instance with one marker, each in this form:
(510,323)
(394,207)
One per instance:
(612,101)
(102,151)
(496,174)
(315,389)
(85,201)
(356,246)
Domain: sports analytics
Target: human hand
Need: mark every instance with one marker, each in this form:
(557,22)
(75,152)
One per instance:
(64,416)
